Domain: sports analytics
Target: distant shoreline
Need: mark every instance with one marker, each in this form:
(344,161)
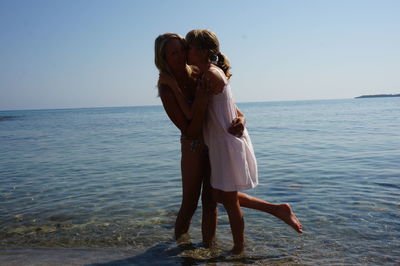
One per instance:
(377,96)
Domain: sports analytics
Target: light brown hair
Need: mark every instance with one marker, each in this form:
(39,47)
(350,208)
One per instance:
(207,40)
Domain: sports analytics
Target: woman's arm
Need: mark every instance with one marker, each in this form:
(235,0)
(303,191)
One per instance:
(217,84)
(172,109)
(239,113)
(192,129)
(183,104)
(238,124)
(200,105)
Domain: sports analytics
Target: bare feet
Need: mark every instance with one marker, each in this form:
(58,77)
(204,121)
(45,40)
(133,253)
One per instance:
(237,249)
(286,214)
(209,243)
(183,240)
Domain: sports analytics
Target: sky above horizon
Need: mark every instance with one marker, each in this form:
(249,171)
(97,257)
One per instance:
(97,53)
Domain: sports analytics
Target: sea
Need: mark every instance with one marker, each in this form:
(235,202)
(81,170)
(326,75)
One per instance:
(102,186)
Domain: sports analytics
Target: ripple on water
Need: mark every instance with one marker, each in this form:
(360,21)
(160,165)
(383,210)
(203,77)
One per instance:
(110,178)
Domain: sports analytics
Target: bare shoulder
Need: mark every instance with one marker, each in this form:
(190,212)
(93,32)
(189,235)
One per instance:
(216,81)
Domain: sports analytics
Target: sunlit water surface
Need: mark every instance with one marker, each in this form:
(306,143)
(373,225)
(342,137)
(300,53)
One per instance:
(109,179)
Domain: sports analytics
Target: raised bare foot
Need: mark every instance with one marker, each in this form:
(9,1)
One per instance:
(286,214)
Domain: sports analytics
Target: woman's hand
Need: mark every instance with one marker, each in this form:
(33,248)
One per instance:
(237,126)
(170,82)
(203,88)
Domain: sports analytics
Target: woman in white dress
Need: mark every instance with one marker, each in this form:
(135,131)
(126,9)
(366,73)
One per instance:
(233,164)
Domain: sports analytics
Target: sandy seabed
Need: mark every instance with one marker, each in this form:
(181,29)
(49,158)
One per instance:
(41,256)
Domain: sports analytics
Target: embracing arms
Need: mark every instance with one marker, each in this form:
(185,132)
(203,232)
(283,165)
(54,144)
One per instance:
(238,124)
(217,85)
(180,98)
(189,119)
(192,128)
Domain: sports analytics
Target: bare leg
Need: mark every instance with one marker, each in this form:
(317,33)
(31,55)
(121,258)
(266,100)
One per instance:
(209,217)
(230,201)
(281,211)
(192,167)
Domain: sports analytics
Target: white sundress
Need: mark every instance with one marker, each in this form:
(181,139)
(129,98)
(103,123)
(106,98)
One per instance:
(232,159)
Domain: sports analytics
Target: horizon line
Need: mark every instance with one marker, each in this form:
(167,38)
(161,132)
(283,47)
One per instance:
(158,105)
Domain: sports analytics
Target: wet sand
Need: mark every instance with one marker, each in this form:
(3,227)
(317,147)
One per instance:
(161,254)
(42,256)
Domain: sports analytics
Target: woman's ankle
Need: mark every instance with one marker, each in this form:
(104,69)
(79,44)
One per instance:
(237,249)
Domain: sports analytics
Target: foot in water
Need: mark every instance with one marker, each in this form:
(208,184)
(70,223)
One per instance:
(185,242)
(237,249)
(286,214)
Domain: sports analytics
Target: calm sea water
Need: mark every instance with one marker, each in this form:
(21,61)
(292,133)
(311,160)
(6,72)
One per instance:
(110,178)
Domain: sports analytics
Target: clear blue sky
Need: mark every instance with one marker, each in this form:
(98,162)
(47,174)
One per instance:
(94,53)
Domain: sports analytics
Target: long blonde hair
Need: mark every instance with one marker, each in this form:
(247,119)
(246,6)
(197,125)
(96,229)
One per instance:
(160,60)
(207,40)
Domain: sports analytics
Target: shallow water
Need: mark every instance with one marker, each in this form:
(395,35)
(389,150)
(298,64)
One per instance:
(109,178)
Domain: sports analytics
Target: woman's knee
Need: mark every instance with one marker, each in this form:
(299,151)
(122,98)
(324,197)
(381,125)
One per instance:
(229,199)
(224,197)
